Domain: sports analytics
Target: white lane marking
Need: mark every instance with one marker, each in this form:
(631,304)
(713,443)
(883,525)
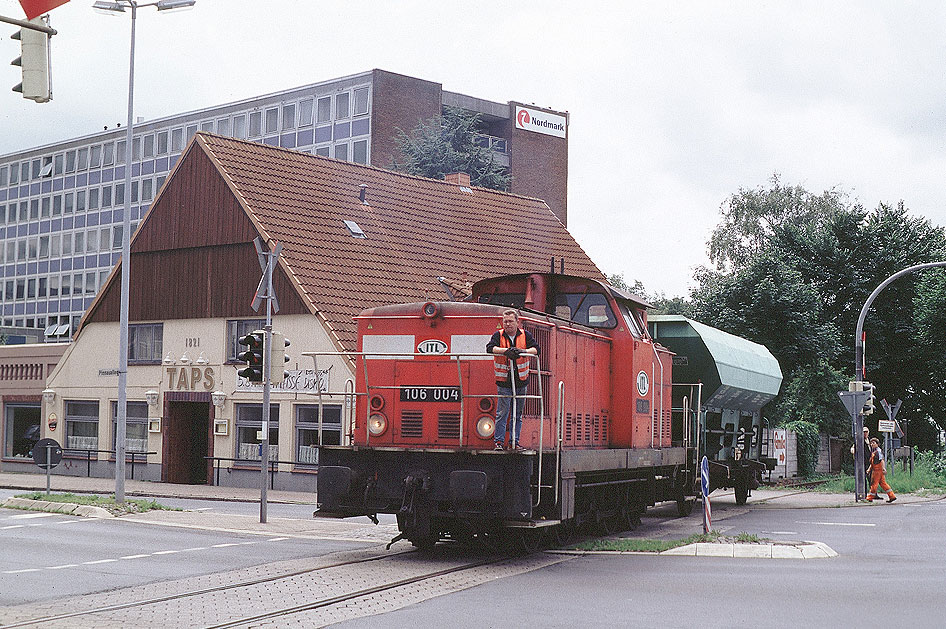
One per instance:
(837,523)
(29,516)
(201,509)
(247,543)
(13,526)
(134,556)
(223,545)
(277,539)
(68,565)
(92,563)
(781,532)
(166,552)
(21,571)
(188,550)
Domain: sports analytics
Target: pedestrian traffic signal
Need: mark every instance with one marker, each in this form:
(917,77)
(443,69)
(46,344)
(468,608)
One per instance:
(869,404)
(278,357)
(253,356)
(33,62)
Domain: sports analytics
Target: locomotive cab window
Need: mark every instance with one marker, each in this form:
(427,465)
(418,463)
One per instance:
(591,309)
(632,320)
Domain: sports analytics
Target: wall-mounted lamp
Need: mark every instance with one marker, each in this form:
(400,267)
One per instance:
(168,360)
(185,359)
(152,397)
(49,396)
(201,360)
(218,398)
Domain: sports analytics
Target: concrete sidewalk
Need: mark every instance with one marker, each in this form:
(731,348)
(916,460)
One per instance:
(60,483)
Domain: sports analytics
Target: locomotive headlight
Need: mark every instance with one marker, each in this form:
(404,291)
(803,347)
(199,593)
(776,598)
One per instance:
(485,426)
(377,424)
(737,453)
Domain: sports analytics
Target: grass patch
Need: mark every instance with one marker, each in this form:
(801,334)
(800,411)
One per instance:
(106,502)
(659,545)
(926,479)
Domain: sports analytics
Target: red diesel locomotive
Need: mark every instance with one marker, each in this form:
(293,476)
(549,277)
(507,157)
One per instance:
(599,445)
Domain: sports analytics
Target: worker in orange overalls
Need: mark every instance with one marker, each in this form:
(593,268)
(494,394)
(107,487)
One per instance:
(878,470)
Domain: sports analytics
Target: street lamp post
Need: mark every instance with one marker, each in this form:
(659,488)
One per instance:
(113,8)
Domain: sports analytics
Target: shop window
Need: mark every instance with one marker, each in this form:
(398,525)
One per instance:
(145,342)
(82,425)
(22,424)
(249,424)
(236,329)
(307,430)
(136,426)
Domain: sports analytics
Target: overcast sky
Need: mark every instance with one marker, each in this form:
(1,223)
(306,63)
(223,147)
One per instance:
(674,106)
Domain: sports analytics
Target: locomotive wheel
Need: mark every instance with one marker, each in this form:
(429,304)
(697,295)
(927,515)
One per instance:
(562,534)
(527,541)
(628,519)
(741,489)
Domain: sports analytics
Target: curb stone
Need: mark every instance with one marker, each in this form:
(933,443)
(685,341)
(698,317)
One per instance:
(66,508)
(784,550)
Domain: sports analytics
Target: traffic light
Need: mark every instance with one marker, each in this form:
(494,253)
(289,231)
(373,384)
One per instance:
(253,356)
(869,404)
(278,358)
(33,62)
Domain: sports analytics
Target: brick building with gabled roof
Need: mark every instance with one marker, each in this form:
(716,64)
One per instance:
(353,237)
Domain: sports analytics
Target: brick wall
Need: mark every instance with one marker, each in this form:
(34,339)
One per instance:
(539,166)
(399,102)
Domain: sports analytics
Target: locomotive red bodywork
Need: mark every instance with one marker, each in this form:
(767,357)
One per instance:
(596,424)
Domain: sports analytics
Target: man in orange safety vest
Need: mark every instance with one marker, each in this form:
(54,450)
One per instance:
(506,346)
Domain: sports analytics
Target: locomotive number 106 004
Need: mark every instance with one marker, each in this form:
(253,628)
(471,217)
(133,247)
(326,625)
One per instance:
(430,394)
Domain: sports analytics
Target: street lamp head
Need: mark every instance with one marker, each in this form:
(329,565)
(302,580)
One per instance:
(170,5)
(108,8)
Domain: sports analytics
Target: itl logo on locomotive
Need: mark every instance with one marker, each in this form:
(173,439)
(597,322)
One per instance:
(432,346)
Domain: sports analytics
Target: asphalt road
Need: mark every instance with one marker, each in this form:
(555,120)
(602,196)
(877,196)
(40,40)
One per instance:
(49,555)
(890,571)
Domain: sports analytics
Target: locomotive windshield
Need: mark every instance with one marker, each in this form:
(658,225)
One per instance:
(591,309)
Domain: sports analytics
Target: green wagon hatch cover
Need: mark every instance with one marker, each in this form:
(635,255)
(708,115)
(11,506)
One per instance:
(736,373)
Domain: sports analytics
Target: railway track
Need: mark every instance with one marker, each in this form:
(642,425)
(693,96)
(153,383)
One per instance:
(321,595)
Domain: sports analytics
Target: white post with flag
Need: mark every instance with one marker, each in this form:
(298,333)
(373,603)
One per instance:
(704,486)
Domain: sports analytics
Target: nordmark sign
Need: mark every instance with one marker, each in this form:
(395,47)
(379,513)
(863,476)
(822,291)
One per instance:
(540,121)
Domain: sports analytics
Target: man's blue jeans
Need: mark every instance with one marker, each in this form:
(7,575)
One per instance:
(503,409)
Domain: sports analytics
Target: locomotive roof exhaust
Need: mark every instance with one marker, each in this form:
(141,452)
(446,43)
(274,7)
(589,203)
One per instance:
(561,266)
(363,193)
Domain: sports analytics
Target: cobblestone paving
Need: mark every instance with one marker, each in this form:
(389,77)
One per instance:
(229,605)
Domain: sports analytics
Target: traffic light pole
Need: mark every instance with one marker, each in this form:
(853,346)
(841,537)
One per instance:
(267,367)
(30,25)
(860,368)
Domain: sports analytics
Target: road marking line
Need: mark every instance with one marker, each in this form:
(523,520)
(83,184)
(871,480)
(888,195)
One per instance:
(92,563)
(781,532)
(14,526)
(188,550)
(166,552)
(68,565)
(223,545)
(837,523)
(29,516)
(21,571)
(277,539)
(134,556)
(247,543)
(201,509)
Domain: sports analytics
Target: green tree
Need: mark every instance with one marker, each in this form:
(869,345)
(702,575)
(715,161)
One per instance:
(449,144)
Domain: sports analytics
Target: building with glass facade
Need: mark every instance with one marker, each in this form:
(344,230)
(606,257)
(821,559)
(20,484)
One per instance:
(62,204)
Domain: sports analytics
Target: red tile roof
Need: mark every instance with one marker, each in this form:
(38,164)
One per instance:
(416,229)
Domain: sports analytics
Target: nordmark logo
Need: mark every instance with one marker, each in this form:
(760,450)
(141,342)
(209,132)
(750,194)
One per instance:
(432,346)
(540,122)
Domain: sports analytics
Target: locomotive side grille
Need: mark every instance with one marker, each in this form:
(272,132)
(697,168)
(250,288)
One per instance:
(448,425)
(666,425)
(604,429)
(569,422)
(412,424)
(597,425)
(587,427)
